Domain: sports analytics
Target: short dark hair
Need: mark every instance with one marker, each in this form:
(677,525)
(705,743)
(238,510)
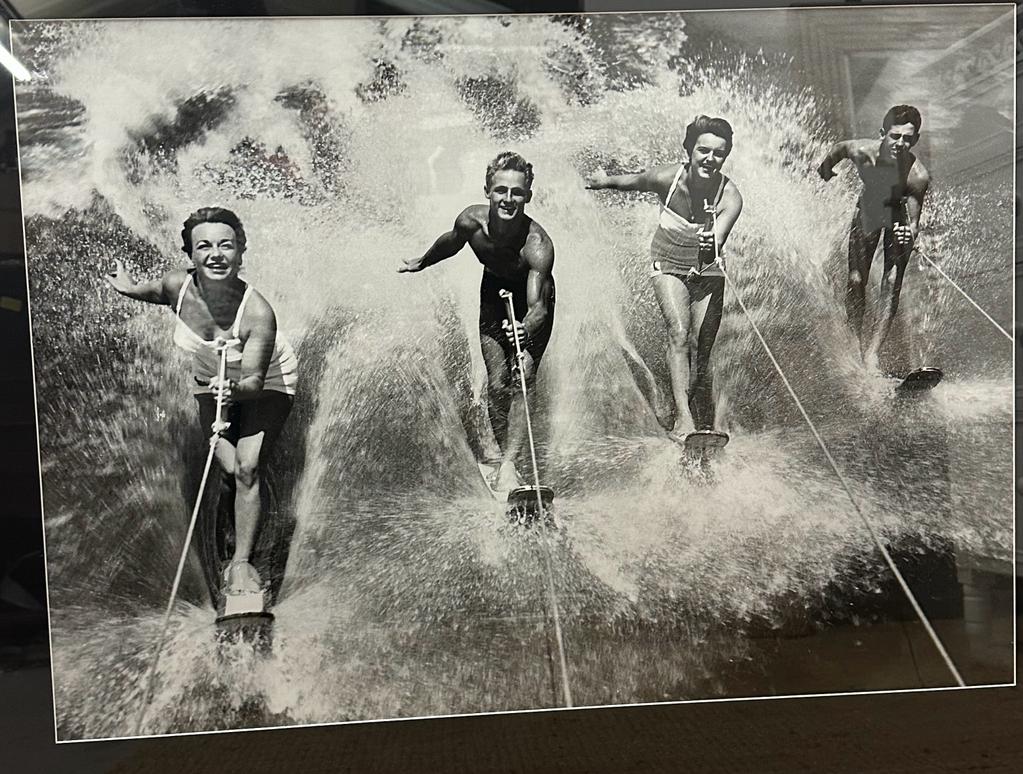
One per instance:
(509,160)
(212,215)
(707,125)
(901,114)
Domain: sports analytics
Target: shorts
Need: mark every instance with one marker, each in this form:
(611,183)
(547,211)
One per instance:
(863,245)
(494,312)
(699,285)
(266,414)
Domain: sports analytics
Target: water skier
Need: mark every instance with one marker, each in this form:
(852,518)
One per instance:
(517,256)
(889,207)
(213,304)
(699,207)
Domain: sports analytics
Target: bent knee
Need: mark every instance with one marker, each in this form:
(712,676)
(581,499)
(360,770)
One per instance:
(246,473)
(856,278)
(679,338)
(528,369)
(497,385)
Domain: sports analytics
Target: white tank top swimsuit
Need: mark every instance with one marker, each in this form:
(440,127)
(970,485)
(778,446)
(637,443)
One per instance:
(281,375)
(675,248)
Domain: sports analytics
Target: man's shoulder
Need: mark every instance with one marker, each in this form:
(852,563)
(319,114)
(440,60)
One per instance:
(536,231)
(918,176)
(476,210)
(863,149)
(538,241)
(473,216)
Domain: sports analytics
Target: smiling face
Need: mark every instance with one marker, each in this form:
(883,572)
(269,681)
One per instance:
(708,156)
(508,194)
(215,251)
(897,140)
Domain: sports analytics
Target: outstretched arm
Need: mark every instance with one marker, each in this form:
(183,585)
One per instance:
(447,244)
(639,181)
(156,291)
(839,151)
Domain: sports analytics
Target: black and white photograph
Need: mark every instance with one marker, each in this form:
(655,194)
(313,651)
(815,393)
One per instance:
(404,367)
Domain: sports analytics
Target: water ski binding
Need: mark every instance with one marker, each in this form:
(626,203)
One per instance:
(246,618)
(703,443)
(919,381)
(521,504)
(525,508)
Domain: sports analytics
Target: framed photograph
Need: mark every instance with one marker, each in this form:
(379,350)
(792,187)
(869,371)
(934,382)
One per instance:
(406,367)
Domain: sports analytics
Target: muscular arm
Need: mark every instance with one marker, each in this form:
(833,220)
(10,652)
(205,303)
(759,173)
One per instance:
(539,252)
(447,244)
(916,188)
(259,335)
(839,151)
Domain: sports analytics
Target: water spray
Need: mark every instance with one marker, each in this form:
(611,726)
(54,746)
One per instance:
(964,294)
(555,616)
(926,257)
(220,424)
(845,485)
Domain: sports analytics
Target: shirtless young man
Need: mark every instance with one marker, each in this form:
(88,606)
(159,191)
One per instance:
(894,184)
(518,256)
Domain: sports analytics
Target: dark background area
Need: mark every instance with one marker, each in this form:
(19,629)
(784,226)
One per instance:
(975,730)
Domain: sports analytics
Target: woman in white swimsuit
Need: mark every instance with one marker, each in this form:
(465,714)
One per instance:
(213,306)
(699,206)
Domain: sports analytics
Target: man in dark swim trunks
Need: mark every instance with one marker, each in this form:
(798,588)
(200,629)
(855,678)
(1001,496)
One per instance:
(894,184)
(518,256)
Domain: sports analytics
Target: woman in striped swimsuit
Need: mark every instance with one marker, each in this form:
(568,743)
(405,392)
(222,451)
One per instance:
(212,303)
(699,208)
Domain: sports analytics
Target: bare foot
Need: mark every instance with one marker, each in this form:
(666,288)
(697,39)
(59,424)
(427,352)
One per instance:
(240,577)
(683,427)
